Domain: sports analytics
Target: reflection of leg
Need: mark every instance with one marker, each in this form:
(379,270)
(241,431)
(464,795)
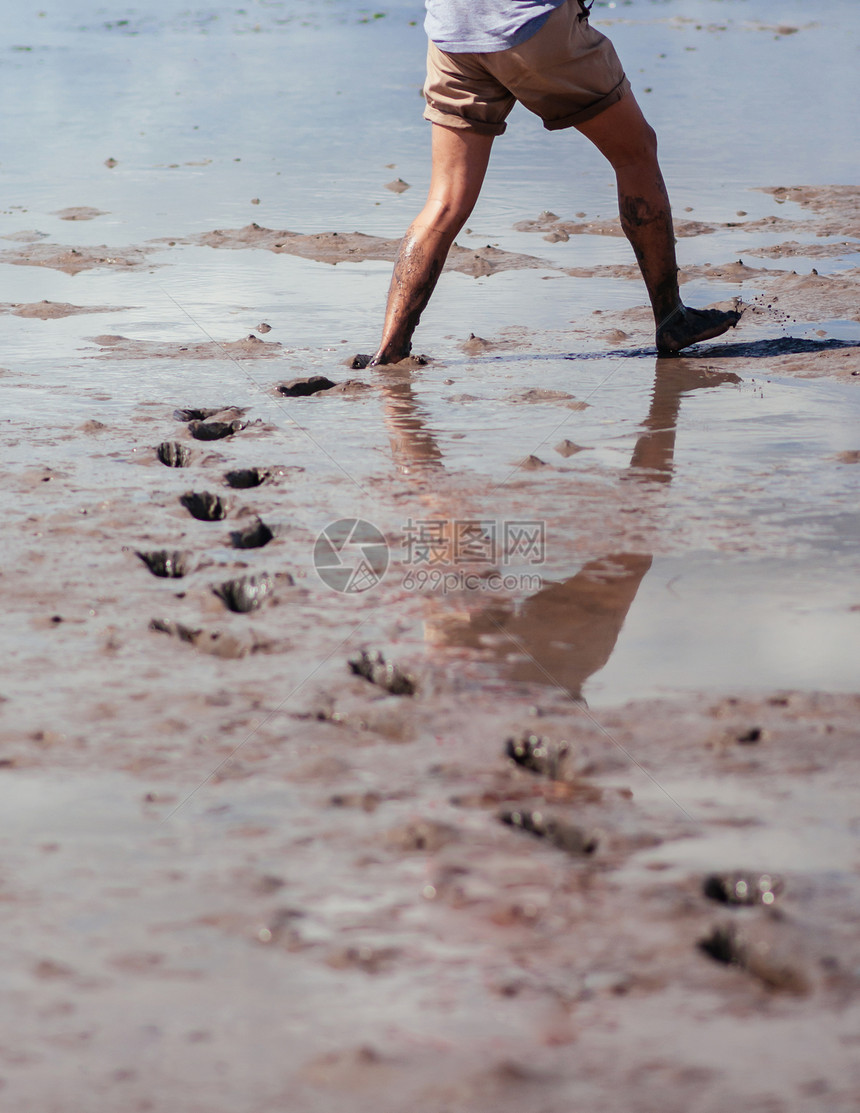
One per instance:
(622,134)
(413,443)
(655,448)
(460,159)
(562,634)
(567,631)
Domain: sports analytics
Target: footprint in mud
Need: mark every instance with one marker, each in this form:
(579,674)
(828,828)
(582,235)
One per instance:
(169,565)
(557,832)
(204,506)
(542,756)
(743,888)
(175,630)
(215,430)
(215,643)
(245,594)
(758,949)
(252,537)
(374,668)
(173,454)
(243,478)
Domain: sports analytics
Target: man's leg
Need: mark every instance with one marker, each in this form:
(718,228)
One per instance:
(460,159)
(622,134)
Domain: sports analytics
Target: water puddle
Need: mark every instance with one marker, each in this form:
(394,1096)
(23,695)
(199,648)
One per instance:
(759,469)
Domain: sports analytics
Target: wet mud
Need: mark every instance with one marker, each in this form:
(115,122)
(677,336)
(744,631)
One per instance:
(122,347)
(357,247)
(303,388)
(55,310)
(74,260)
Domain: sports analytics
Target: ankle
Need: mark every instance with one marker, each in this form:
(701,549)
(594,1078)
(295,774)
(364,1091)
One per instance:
(669,315)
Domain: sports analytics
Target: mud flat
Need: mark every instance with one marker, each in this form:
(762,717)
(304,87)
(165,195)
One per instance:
(479,733)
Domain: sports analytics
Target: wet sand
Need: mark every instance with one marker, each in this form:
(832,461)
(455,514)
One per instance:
(583,836)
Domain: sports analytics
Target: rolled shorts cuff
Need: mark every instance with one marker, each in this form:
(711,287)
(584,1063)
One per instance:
(584,115)
(451,120)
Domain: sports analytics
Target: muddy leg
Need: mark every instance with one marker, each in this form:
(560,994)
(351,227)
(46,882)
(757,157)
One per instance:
(622,134)
(460,161)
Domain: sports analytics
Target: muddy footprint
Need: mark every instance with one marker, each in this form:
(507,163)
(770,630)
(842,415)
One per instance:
(374,667)
(169,565)
(252,537)
(541,755)
(173,454)
(215,643)
(204,506)
(245,594)
(557,832)
(758,949)
(743,888)
(243,478)
(179,630)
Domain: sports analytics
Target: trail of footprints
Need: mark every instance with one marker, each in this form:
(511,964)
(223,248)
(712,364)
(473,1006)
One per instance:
(758,938)
(240,594)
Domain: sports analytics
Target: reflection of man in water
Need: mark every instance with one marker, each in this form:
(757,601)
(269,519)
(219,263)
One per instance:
(484,55)
(566,632)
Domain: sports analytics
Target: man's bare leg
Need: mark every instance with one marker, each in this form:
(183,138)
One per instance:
(460,159)
(622,134)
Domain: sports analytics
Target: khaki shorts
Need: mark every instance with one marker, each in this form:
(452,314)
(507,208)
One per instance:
(567,73)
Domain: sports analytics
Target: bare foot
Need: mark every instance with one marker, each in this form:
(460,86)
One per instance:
(383,358)
(687,326)
(359,362)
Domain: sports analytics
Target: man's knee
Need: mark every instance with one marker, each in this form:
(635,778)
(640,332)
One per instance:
(623,135)
(445,215)
(649,143)
(649,140)
(639,150)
